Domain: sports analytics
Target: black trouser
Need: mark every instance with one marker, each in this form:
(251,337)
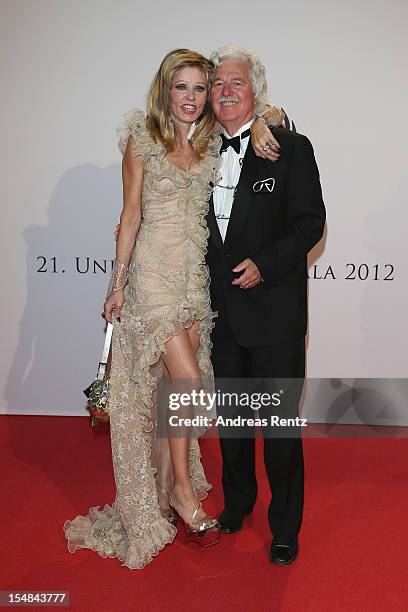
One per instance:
(283,456)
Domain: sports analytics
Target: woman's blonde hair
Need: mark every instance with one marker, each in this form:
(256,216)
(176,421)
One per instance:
(158,120)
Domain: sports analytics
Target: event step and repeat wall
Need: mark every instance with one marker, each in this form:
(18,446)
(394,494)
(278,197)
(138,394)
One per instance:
(68,72)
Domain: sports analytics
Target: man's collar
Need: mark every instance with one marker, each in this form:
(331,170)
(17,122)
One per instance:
(241,129)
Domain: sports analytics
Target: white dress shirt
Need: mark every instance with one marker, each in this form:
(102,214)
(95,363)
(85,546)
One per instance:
(224,190)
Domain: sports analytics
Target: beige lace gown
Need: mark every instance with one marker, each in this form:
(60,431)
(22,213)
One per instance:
(168,290)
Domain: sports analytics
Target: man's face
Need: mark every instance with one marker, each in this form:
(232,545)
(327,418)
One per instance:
(232,95)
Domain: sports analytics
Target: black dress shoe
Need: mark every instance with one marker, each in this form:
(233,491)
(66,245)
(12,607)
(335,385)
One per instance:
(283,554)
(231,523)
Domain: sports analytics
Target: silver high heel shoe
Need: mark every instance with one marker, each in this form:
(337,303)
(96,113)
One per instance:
(204,532)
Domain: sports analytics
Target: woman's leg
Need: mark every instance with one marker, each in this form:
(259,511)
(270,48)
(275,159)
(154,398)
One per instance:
(181,362)
(163,462)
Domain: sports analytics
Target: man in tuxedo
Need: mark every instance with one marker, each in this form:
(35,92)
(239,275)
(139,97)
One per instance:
(264,218)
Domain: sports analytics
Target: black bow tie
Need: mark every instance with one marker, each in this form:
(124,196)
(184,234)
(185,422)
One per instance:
(235,142)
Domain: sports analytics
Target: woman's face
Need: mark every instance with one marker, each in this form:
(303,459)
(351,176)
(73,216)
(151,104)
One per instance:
(188,94)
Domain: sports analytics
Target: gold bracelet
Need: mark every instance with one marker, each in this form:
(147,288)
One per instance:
(272,116)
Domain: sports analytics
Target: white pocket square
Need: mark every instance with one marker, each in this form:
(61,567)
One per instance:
(267,184)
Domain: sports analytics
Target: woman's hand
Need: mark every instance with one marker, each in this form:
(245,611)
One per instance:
(263,141)
(114,304)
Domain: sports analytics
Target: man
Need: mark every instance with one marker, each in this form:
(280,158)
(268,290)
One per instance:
(264,218)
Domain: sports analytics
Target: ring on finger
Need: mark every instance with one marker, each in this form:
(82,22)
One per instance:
(272,146)
(266,147)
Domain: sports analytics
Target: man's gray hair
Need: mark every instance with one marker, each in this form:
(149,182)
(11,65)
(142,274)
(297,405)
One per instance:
(256,70)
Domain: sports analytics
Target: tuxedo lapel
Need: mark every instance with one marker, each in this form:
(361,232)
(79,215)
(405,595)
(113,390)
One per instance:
(242,200)
(213,226)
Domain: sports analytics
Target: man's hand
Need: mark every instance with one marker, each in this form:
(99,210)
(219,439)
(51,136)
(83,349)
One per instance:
(251,275)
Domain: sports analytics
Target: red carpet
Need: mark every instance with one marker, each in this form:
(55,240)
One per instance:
(352,548)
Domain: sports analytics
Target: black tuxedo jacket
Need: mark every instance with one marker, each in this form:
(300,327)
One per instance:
(278,215)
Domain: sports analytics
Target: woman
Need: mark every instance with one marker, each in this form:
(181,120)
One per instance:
(162,320)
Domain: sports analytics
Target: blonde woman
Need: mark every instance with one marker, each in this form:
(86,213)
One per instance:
(159,304)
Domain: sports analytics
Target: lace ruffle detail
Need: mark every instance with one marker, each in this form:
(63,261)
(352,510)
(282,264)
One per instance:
(154,154)
(134,123)
(103,532)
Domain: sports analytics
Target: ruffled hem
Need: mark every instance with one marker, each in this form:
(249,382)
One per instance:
(171,320)
(129,333)
(103,532)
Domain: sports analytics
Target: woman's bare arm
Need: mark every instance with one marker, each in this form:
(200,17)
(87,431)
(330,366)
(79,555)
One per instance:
(130,218)
(132,178)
